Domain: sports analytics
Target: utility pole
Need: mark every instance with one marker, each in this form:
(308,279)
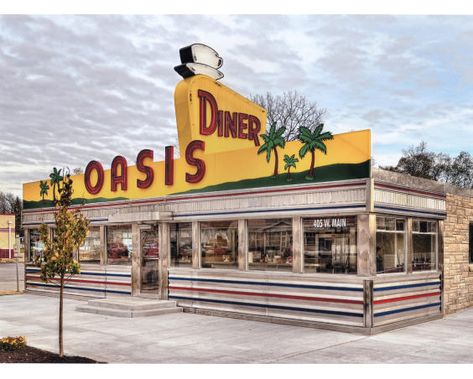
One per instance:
(16,257)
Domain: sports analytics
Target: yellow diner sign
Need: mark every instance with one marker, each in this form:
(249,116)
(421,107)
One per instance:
(224,145)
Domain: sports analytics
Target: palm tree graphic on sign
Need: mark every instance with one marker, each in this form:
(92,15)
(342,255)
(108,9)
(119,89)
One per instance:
(290,161)
(313,141)
(56,179)
(273,140)
(43,188)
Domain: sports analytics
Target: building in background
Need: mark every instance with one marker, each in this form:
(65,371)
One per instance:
(7,236)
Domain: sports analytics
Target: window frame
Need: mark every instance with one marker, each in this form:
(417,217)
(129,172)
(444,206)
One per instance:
(349,274)
(95,262)
(107,261)
(265,219)
(234,265)
(436,234)
(178,230)
(396,217)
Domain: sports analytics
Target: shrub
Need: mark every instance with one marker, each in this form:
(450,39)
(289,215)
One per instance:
(12,343)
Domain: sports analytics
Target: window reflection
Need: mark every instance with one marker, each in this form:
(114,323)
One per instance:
(90,250)
(390,244)
(219,244)
(36,246)
(119,244)
(330,245)
(424,239)
(270,244)
(181,244)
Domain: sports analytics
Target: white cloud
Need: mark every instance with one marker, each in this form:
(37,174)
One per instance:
(76,88)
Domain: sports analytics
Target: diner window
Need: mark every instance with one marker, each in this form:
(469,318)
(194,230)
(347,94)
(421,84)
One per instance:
(149,239)
(270,244)
(330,245)
(424,240)
(90,250)
(219,244)
(471,243)
(119,244)
(150,242)
(390,244)
(181,245)
(36,246)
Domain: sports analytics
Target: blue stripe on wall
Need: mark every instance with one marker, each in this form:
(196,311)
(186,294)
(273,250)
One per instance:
(269,284)
(401,286)
(34,270)
(407,309)
(282,307)
(78,288)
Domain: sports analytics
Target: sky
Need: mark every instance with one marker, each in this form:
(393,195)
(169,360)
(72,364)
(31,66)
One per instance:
(77,88)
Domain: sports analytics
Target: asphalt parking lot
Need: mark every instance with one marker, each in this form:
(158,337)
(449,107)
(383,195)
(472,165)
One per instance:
(191,338)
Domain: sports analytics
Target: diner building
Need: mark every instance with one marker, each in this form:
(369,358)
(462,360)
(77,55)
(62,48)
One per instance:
(316,237)
(359,255)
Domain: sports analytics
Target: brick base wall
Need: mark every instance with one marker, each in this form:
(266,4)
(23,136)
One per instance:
(458,279)
(4,253)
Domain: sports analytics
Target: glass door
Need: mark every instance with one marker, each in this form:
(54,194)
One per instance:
(149,259)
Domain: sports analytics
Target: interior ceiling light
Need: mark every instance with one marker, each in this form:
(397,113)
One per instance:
(199,59)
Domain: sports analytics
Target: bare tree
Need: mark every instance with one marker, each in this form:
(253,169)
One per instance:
(7,202)
(419,161)
(290,110)
(11,204)
(77,171)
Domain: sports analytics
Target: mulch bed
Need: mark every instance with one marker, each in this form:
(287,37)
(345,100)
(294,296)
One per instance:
(28,354)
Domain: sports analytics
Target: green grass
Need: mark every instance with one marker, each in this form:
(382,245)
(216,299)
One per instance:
(343,171)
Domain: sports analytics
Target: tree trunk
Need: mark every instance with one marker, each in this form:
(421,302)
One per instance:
(312,164)
(276,163)
(289,177)
(61,306)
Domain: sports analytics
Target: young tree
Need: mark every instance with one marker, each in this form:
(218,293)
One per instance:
(272,140)
(291,110)
(313,140)
(58,263)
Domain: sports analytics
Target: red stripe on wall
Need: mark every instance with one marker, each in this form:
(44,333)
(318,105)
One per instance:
(4,253)
(293,297)
(83,281)
(395,299)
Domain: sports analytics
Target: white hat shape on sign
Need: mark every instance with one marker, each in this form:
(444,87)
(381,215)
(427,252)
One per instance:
(199,59)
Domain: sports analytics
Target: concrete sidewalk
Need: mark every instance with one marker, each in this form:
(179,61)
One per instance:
(190,338)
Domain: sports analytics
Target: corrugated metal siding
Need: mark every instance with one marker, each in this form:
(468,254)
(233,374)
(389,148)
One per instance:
(340,196)
(272,296)
(93,282)
(408,200)
(405,299)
